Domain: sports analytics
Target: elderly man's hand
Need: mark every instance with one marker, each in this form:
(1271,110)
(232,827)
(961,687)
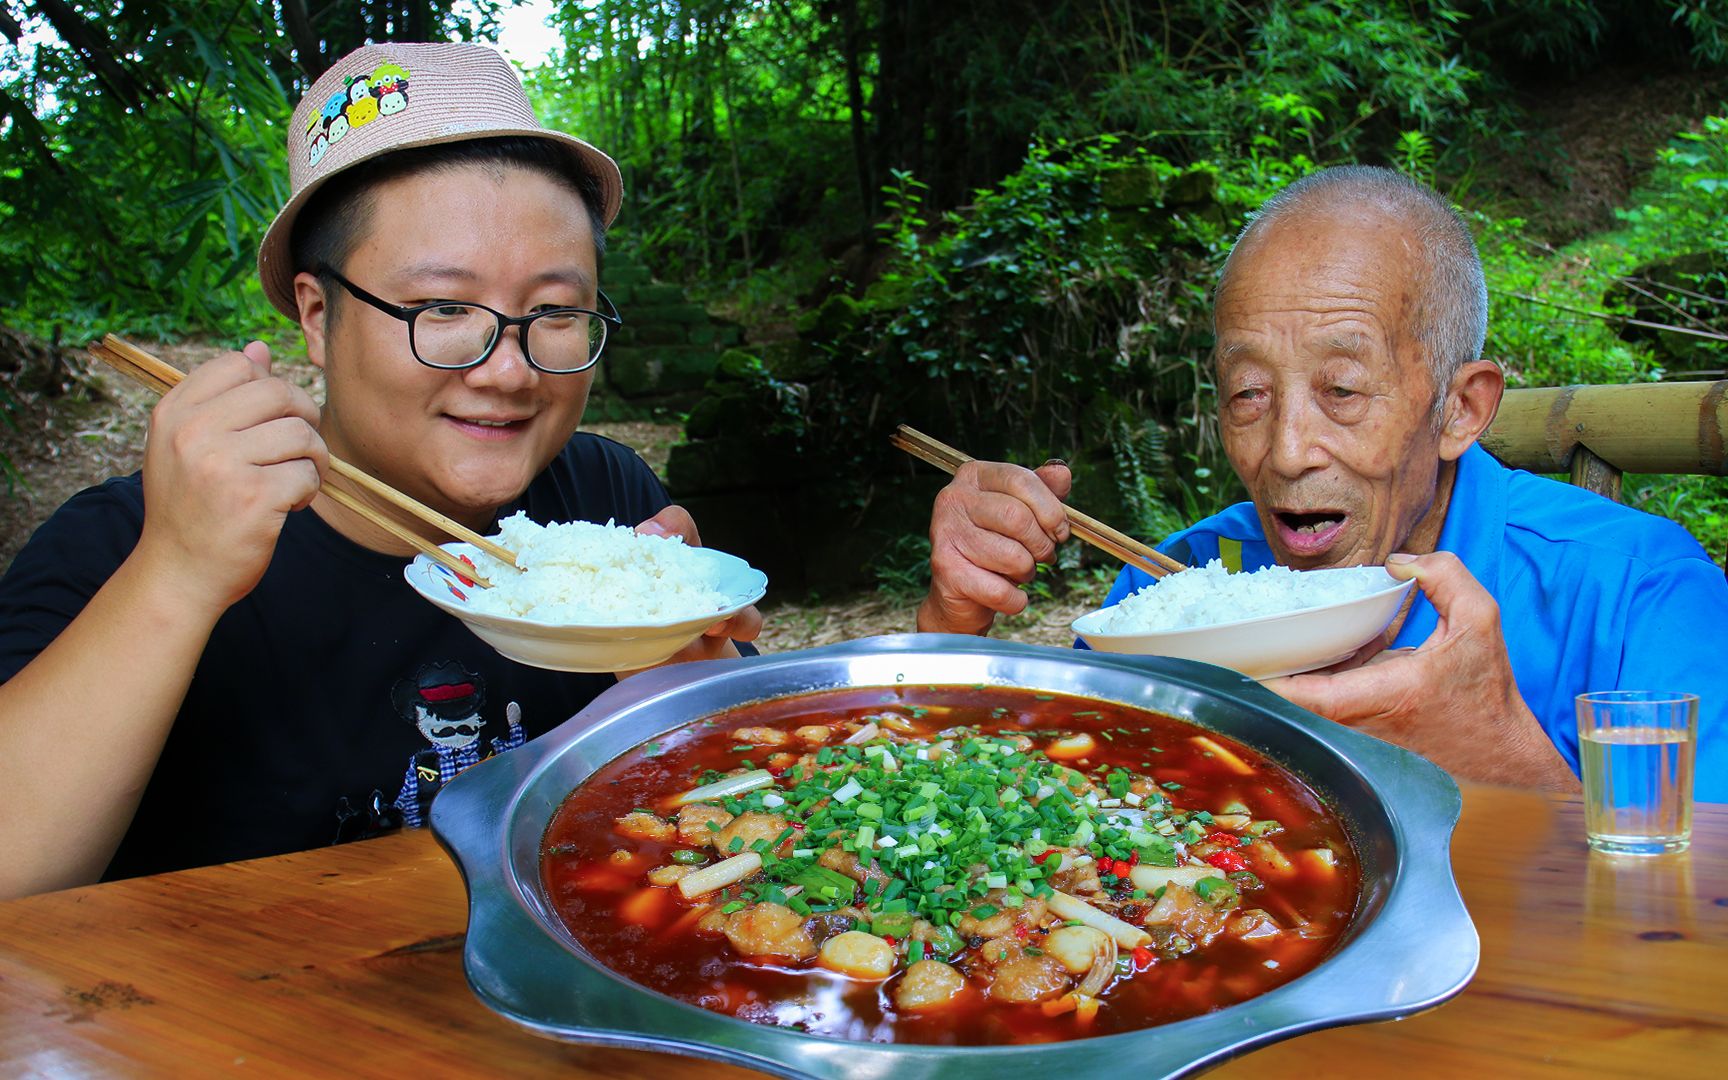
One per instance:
(990,528)
(716,643)
(1453,699)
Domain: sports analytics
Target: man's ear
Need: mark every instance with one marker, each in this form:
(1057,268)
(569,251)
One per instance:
(314,315)
(1471,402)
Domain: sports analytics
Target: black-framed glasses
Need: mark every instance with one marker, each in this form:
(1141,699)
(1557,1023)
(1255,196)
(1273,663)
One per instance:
(454,335)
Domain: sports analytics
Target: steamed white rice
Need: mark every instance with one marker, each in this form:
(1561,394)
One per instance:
(579,573)
(1205,595)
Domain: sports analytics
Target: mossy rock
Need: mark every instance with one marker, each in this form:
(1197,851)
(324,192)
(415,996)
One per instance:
(736,460)
(619,272)
(838,316)
(1134,229)
(658,370)
(660,294)
(1674,350)
(1192,188)
(716,333)
(646,333)
(737,365)
(888,294)
(794,361)
(1131,188)
(721,404)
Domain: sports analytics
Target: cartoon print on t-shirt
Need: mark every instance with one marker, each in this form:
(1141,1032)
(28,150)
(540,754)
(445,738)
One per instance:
(443,701)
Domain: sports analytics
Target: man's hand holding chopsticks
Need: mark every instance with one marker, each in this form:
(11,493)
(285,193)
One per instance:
(231,451)
(990,528)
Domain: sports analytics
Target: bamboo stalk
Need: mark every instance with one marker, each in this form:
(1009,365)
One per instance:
(1610,317)
(160,376)
(1117,544)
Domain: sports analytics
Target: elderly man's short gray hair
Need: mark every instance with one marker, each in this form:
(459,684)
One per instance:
(1452,313)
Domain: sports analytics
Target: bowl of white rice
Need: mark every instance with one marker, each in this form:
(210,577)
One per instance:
(587,597)
(1266,623)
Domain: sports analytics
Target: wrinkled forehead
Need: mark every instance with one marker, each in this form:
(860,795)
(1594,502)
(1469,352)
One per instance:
(1347,281)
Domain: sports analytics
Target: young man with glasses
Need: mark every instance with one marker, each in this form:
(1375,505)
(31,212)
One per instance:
(211,660)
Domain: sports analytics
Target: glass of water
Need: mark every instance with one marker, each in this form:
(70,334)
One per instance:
(1637,749)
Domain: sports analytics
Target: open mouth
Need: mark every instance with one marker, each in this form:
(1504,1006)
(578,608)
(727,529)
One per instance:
(1309,532)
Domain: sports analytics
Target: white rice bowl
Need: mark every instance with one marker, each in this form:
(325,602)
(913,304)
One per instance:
(592,597)
(597,575)
(1205,595)
(1267,623)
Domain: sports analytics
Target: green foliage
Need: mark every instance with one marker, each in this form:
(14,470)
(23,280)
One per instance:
(1414,156)
(904,568)
(1571,34)
(1558,317)
(1315,81)
(139,167)
(1062,313)
(728,119)
(1665,263)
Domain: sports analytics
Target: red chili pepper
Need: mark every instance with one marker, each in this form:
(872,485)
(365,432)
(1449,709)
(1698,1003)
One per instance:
(797,824)
(776,773)
(1134,858)
(1227,861)
(1122,867)
(1224,839)
(1020,932)
(1142,958)
(1039,859)
(889,938)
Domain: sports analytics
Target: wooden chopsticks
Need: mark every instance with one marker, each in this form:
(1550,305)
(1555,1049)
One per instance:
(160,376)
(1090,529)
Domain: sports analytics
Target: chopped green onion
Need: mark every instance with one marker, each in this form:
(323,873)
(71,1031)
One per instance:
(732,785)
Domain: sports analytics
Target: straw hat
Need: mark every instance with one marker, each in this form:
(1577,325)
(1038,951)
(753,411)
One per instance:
(397,95)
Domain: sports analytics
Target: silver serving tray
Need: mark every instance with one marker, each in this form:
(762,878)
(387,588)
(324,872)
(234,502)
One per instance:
(1410,947)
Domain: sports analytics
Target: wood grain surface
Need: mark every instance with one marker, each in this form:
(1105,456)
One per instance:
(348,961)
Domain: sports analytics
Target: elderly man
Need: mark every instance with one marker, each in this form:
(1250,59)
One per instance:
(216,661)
(1350,320)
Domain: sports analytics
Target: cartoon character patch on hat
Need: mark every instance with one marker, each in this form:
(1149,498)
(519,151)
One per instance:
(362,106)
(363,99)
(316,141)
(390,84)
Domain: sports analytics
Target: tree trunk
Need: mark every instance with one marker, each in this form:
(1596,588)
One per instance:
(308,54)
(849,46)
(99,54)
(9,26)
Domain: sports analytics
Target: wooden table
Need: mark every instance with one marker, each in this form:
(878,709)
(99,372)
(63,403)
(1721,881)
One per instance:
(348,960)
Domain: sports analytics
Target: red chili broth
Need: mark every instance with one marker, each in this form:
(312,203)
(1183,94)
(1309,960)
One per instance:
(640,931)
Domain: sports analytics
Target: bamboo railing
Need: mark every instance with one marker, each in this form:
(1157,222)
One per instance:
(1596,433)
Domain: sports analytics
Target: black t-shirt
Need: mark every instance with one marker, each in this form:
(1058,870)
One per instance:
(330,702)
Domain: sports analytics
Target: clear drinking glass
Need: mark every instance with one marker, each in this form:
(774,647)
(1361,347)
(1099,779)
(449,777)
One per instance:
(1637,749)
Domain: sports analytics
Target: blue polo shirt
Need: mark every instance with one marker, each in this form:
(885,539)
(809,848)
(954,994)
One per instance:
(1593,596)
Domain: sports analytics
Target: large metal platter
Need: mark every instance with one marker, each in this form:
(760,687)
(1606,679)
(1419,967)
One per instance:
(1410,947)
